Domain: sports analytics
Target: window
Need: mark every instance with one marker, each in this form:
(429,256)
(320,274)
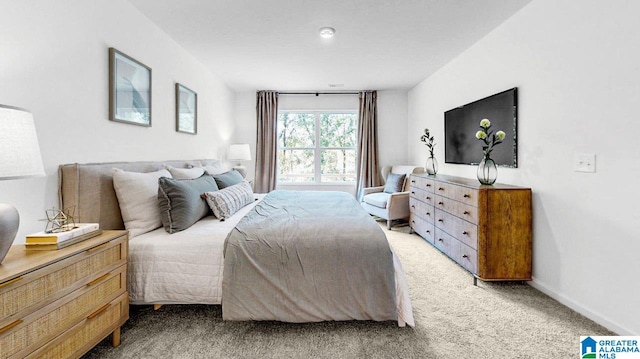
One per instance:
(317,146)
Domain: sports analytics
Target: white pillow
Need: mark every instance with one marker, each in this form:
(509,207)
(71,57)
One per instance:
(185,173)
(138,197)
(227,201)
(216,168)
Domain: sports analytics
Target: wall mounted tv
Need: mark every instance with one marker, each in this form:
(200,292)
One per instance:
(461,124)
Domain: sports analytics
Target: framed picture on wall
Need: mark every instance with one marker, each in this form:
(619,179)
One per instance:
(129,90)
(186,110)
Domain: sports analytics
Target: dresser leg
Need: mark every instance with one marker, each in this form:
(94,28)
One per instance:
(475,281)
(115,337)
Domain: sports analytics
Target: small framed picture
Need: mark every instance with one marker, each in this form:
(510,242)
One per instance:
(186,110)
(129,90)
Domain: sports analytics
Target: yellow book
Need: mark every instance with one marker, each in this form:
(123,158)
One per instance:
(60,245)
(53,238)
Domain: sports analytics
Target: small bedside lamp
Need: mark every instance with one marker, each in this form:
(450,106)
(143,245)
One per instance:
(240,152)
(19,158)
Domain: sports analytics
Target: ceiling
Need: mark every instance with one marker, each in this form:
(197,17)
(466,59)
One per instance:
(275,45)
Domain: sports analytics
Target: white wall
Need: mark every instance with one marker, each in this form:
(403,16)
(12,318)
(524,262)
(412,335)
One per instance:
(575,64)
(54,62)
(392,125)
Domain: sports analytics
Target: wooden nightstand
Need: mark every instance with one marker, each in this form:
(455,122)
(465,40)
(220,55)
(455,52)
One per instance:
(61,303)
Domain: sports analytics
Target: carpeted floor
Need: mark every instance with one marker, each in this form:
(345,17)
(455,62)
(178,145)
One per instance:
(454,319)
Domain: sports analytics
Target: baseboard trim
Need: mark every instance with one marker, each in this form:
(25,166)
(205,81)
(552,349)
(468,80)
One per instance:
(596,317)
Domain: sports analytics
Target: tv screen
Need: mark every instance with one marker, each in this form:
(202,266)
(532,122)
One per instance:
(461,124)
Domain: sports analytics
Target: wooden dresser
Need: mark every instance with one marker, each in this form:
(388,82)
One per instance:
(61,303)
(485,229)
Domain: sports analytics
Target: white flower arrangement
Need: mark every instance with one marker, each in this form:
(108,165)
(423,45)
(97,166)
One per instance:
(488,137)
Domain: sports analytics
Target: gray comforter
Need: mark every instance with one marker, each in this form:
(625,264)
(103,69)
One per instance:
(308,257)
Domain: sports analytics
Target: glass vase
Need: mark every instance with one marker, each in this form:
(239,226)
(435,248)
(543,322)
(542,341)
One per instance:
(431,166)
(487,171)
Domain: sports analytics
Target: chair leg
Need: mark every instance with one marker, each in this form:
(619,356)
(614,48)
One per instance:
(388,224)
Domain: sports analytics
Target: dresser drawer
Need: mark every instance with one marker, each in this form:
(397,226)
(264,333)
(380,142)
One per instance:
(459,193)
(422,195)
(422,228)
(90,331)
(468,258)
(43,325)
(446,243)
(40,287)
(464,231)
(422,183)
(458,209)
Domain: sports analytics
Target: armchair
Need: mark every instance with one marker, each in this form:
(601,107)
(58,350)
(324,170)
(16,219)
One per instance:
(389,206)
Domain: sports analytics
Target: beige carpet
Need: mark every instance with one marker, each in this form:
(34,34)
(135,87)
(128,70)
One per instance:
(454,319)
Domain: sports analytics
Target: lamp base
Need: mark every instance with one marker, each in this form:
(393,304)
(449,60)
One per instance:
(242,170)
(9,223)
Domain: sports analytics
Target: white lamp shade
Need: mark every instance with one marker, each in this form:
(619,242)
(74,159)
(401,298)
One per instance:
(239,152)
(19,149)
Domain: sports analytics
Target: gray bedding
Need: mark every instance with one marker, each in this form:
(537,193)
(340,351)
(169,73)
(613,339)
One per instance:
(308,257)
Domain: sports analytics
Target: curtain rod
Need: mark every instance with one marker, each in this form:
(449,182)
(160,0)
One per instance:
(318,93)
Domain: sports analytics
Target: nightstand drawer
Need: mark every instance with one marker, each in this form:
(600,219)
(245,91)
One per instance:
(40,287)
(90,331)
(43,325)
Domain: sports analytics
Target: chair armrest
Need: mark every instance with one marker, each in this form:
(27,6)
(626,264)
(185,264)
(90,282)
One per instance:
(368,190)
(398,205)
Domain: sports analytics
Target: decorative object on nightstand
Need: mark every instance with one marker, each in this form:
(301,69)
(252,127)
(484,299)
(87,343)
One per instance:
(19,158)
(487,170)
(432,165)
(240,152)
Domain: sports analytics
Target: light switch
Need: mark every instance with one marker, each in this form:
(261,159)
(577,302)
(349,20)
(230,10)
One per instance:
(583,162)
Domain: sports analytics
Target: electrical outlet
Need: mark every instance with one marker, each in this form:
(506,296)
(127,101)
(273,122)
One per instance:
(583,162)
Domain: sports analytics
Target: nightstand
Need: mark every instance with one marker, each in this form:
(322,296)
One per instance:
(61,303)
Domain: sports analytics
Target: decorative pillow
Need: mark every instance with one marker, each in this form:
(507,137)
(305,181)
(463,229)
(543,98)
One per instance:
(213,169)
(395,183)
(225,202)
(137,195)
(228,179)
(185,173)
(180,203)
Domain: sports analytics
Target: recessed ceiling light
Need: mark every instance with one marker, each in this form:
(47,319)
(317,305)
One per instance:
(327,32)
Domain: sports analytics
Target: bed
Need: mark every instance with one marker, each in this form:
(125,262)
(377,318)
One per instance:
(189,267)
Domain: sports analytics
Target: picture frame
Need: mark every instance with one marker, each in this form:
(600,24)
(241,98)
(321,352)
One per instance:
(186,110)
(129,90)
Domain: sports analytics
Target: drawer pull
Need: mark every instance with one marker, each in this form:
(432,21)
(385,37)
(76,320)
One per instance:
(412,192)
(465,256)
(413,222)
(428,198)
(413,181)
(97,312)
(413,206)
(428,231)
(98,247)
(98,280)
(440,203)
(466,196)
(7,327)
(441,220)
(9,282)
(428,214)
(465,233)
(465,212)
(428,185)
(440,240)
(440,189)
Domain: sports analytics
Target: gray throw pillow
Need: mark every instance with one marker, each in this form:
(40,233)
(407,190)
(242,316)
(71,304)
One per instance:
(225,202)
(227,179)
(180,201)
(395,183)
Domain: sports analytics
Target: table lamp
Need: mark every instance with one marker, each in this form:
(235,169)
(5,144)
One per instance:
(240,152)
(19,158)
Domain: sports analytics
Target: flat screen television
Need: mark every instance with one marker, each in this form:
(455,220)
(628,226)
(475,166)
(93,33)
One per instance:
(461,124)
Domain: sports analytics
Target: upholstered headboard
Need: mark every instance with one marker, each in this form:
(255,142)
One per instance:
(89,187)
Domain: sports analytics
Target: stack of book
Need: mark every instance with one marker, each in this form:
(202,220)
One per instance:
(44,241)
